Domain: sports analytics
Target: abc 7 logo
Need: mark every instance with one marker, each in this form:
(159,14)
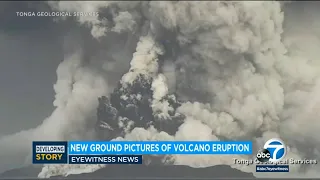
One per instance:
(263,155)
(274,150)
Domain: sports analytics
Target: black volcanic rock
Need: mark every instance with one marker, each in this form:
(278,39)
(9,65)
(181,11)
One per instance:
(173,171)
(139,171)
(25,172)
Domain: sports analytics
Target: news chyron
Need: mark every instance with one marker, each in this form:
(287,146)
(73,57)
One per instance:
(271,158)
(128,152)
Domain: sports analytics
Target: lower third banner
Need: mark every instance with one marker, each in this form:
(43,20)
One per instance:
(105,159)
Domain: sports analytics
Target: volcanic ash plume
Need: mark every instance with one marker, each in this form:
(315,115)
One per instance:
(237,76)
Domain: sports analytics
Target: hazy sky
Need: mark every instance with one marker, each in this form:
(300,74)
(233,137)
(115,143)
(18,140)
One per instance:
(30,51)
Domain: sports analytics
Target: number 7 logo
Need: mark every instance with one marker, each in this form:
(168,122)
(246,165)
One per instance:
(277,149)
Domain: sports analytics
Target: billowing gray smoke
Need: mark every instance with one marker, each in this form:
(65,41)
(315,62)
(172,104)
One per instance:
(200,71)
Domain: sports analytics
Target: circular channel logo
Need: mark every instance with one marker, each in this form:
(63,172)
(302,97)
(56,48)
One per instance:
(274,150)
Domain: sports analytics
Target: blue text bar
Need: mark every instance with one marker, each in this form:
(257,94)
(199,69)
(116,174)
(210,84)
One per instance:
(159,147)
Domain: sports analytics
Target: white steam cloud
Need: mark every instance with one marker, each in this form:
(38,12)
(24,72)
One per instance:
(144,61)
(259,72)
